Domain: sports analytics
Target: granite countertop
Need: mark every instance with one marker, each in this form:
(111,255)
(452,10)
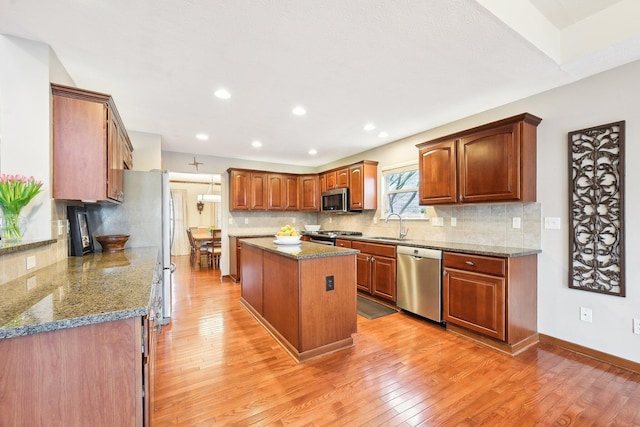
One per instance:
(96,288)
(304,250)
(488,250)
(23,245)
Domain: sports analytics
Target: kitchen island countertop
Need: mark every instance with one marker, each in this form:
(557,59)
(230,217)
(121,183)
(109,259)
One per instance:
(76,291)
(304,250)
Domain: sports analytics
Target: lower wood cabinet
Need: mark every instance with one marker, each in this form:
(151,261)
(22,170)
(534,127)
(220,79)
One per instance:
(91,375)
(492,296)
(376,269)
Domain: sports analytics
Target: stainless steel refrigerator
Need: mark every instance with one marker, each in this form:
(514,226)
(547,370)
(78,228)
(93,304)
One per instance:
(146,215)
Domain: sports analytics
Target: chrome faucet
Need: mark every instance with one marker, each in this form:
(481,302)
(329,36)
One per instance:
(403,231)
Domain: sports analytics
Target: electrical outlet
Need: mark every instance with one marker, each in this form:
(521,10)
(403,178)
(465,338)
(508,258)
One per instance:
(31,262)
(636,326)
(230,221)
(437,221)
(330,220)
(293,220)
(552,223)
(60,227)
(246,220)
(516,222)
(586,314)
(454,222)
(329,283)
(375,220)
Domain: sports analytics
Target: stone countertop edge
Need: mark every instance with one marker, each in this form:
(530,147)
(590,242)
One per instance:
(9,248)
(77,291)
(465,248)
(305,250)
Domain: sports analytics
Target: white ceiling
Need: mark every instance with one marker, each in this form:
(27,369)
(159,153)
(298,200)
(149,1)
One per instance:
(405,65)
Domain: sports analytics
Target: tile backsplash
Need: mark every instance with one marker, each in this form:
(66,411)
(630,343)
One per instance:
(488,224)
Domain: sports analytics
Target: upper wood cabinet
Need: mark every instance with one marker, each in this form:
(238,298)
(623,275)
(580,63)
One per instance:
(239,189)
(91,147)
(256,190)
(363,178)
(309,193)
(495,162)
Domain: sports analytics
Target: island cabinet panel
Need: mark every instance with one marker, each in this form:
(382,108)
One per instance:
(304,314)
(328,316)
(235,256)
(492,297)
(281,296)
(252,279)
(495,162)
(85,376)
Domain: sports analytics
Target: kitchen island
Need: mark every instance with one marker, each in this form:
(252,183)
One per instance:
(75,341)
(304,295)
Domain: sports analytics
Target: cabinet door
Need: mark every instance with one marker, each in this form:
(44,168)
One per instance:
(309,196)
(342,178)
(291,193)
(475,301)
(330,180)
(489,165)
(356,189)
(383,279)
(115,160)
(239,192)
(79,149)
(258,195)
(363,178)
(363,272)
(252,277)
(322,180)
(276,192)
(437,166)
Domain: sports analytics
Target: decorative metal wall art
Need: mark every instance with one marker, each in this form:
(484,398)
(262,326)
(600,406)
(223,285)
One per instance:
(596,188)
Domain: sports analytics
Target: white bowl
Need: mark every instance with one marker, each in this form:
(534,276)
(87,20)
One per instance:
(313,227)
(289,240)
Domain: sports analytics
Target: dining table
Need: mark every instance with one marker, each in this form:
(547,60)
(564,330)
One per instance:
(200,239)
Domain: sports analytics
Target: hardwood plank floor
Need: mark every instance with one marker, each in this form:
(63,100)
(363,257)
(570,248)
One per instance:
(217,366)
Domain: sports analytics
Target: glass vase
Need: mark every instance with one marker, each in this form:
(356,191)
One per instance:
(12,227)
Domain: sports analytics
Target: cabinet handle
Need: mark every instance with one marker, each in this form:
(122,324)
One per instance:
(469,262)
(373,259)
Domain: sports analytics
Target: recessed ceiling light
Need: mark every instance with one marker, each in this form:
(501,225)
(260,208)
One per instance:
(222,94)
(383,135)
(256,144)
(313,151)
(369,127)
(202,136)
(299,111)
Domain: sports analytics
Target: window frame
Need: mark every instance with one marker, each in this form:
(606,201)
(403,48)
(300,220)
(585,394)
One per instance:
(398,168)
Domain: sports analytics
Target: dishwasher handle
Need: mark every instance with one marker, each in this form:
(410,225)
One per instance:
(417,253)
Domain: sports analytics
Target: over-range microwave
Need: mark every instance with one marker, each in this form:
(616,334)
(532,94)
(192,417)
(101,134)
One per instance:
(335,200)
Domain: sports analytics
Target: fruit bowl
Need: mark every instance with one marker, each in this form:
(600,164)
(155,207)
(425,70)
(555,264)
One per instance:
(288,240)
(312,227)
(112,242)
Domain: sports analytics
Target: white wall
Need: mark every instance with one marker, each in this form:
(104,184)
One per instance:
(25,123)
(147,150)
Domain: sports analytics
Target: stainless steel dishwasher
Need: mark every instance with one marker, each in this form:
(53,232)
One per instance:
(419,280)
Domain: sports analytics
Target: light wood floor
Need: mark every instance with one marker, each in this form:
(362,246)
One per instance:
(217,366)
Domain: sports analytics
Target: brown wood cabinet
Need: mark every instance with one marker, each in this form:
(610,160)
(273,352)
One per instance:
(291,202)
(258,195)
(376,269)
(491,296)
(343,243)
(309,193)
(84,376)
(234,258)
(289,297)
(91,147)
(363,178)
(495,162)
(239,189)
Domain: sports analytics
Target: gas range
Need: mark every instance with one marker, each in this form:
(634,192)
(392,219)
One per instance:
(328,237)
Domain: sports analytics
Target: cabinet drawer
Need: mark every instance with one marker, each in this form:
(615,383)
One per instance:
(475,263)
(375,248)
